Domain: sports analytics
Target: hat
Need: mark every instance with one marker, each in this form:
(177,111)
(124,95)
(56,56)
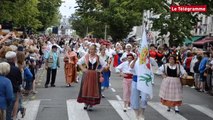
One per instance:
(10,54)
(128,45)
(54,46)
(117,44)
(130,54)
(13,47)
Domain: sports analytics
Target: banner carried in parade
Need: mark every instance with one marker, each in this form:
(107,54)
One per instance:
(145,75)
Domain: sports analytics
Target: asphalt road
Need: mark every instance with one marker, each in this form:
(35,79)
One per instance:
(59,103)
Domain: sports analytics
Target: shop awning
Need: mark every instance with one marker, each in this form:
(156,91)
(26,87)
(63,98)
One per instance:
(193,39)
(204,41)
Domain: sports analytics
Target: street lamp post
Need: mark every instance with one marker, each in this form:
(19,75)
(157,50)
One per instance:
(87,30)
(105,32)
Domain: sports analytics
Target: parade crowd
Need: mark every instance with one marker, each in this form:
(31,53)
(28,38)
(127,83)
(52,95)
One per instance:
(91,61)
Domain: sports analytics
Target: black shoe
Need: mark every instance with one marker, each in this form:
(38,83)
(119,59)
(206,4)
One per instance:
(169,109)
(124,109)
(85,107)
(177,111)
(90,108)
(103,96)
(23,112)
(46,86)
(52,85)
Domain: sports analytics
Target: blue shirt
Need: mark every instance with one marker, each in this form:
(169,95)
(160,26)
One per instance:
(28,76)
(55,58)
(202,65)
(15,77)
(6,92)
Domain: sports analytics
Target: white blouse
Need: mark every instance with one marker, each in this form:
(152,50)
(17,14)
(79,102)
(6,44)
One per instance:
(124,55)
(162,70)
(104,58)
(123,67)
(81,61)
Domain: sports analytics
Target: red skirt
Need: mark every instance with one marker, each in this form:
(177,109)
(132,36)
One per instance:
(115,63)
(90,90)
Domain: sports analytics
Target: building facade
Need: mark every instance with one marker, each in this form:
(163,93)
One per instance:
(205,26)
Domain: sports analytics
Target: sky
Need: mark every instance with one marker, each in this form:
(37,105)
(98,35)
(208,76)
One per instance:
(67,8)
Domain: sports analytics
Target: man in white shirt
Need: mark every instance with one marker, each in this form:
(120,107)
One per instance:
(138,99)
(123,68)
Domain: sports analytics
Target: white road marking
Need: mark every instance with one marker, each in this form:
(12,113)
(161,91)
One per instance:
(118,97)
(118,106)
(45,99)
(203,109)
(113,90)
(31,110)
(75,110)
(163,111)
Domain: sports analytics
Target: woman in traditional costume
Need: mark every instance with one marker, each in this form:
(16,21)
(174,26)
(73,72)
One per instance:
(106,74)
(70,68)
(90,90)
(171,90)
(117,56)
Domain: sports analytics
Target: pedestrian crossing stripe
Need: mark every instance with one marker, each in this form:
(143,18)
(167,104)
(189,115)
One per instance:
(75,110)
(163,111)
(203,109)
(118,106)
(31,110)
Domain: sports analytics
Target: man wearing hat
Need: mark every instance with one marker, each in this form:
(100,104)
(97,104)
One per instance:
(128,51)
(51,64)
(125,72)
(16,80)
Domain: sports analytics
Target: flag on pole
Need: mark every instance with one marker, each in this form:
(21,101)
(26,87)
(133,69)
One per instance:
(145,75)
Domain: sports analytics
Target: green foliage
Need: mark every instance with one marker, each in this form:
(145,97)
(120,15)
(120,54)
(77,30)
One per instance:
(176,25)
(122,15)
(118,15)
(21,12)
(121,18)
(30,13)
(82,24)
(49,13)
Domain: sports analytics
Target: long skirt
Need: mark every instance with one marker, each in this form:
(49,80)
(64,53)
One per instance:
(115,62)
(70,73)
(127,83)
(171,92)
(90,90)
(106,76)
